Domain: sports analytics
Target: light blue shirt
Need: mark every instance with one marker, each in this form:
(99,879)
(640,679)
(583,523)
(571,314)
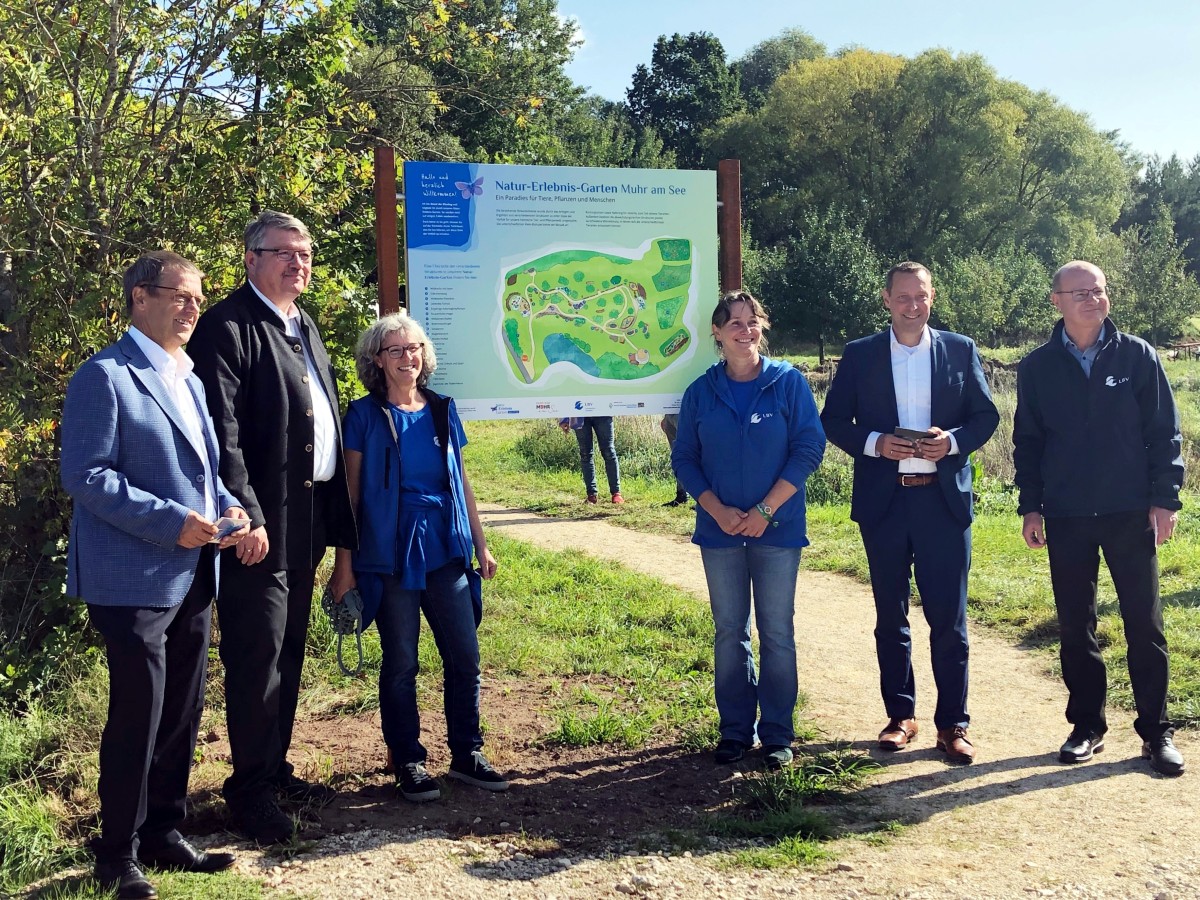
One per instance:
(1085,357)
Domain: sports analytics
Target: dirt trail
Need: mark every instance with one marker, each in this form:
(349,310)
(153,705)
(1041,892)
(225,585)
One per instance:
(578,821)
(1016,822)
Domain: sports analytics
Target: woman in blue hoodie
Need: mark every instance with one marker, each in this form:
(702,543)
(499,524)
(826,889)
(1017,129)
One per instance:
(749,437)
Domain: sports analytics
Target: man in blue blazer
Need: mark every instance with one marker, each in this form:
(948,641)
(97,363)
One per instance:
(912,494)
(139,458)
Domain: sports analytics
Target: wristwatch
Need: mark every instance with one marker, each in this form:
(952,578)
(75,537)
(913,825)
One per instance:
(764,510)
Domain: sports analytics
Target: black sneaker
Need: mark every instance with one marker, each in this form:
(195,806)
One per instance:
(127,877)
(1164,757)
(729,751)
(416,784)
(776,757)
(307,793)
(263,822)
(1081,746)
(476,770)
(680,500)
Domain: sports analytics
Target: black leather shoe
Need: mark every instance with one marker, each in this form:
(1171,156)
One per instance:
(183,857)
(1081,746)
(1164,757)
(309,793)
(127,877)
(263,822)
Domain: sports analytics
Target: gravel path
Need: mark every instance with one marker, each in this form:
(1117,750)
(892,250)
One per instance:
(1015,824)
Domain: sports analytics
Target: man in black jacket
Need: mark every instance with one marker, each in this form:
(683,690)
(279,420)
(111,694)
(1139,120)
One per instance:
(1098,461)
(273,398)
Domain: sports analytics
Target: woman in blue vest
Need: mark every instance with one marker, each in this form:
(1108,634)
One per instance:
(419,530)
(749,437)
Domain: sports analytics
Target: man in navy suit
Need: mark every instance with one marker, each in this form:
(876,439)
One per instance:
(139,458)
(912,494)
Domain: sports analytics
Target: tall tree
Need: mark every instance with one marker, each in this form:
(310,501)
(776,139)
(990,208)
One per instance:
(687,89)
(823,282)
(1176,185)
(762,64)
(939,155)
(1161,296)
(129,126)
(498,71)
(598,132)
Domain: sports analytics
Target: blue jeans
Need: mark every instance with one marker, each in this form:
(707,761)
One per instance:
(603,426)
(446,602)
(735,574)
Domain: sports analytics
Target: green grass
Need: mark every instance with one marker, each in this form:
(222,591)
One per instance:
(517,463)
(221,886)
(781,810)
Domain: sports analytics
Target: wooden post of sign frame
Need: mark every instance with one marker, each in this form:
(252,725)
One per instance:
(387,242)
(729,223)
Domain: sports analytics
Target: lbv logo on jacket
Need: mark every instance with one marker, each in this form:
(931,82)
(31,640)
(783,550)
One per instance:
(755,418)
(1112,381)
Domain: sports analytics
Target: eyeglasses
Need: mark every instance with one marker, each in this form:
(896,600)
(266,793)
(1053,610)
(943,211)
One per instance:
(179,298)
(399,352)
(304,256)
(1086,294)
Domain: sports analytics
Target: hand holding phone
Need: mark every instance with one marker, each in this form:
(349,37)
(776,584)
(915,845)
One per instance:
(225,527)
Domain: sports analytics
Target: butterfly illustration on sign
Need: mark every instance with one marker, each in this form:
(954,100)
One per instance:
(470,189)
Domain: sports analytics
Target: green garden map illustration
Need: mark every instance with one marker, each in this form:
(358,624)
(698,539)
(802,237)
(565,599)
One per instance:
(612,317)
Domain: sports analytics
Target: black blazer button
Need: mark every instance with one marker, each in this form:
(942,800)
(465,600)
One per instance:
(308,484)
(308,448)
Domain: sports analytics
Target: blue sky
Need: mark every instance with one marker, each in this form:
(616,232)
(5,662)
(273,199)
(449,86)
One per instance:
(1133,66)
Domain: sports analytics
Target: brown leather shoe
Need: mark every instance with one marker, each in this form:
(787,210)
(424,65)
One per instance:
(955,744)
(897,733)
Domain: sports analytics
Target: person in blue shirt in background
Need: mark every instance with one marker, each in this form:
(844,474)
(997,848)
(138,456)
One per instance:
(749,437)
(419,530)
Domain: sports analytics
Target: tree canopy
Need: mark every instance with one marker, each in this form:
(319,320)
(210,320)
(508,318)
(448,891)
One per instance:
(687,90)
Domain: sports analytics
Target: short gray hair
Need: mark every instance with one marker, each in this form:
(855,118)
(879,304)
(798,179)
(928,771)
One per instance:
(370,342)
(257,229)
(148,268)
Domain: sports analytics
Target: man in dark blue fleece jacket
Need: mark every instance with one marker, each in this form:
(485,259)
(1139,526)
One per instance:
(1097,449)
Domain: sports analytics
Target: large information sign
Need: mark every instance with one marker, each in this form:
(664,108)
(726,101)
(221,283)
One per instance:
(554,291)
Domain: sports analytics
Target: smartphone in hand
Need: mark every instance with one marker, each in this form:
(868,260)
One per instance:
(225,527)
(911,434)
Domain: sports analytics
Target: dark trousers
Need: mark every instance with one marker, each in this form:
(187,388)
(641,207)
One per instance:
(263,614)
(446,602)
(919,534)
(1075,543)
(157,661)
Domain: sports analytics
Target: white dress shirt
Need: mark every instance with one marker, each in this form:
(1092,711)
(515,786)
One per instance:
(324,424)
(912,377)
(173,370)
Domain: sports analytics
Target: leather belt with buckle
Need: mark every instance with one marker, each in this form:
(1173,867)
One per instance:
(919,480)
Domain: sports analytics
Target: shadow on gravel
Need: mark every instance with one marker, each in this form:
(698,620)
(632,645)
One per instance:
(915,798)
